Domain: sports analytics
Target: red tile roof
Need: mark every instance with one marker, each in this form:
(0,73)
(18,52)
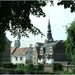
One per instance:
(12,49)
(20,51)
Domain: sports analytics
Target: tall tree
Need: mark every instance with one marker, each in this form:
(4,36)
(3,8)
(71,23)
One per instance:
(17,13)
(70,42)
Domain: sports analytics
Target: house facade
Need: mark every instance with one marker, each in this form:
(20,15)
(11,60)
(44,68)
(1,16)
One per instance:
(50,51)
(21,55)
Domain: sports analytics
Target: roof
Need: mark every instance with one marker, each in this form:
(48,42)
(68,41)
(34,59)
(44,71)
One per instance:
(38,44)
(53,43)
(12,49)
(20,51)
(7,39)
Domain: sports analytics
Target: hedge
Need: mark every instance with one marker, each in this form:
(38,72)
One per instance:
(57,67)
(7,65)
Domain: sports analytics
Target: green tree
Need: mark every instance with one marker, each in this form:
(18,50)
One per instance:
(18,14)
(70,42)
(68,4)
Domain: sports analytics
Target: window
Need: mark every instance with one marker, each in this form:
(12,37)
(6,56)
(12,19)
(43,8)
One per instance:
(50,48)
(16,58)
(20,58)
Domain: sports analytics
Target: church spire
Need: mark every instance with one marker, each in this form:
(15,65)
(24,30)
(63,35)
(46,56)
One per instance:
(49,34)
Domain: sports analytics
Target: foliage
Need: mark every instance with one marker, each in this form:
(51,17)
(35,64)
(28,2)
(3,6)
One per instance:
(7,65)
(40,67)
(68,4)
(65,72)
(70,42)
(30,68)
(20,66)
(15,71)
(57,67)
(17,13)
(3,71)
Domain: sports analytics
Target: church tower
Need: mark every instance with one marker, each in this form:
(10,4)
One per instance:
(49,34)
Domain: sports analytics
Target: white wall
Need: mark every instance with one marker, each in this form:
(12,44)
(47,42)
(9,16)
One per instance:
(14,61)
(49,61)
(40,61)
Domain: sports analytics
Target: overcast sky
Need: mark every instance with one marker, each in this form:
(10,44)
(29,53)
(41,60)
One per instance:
(59,17)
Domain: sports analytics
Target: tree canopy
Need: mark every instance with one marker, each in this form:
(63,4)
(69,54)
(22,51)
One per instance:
(70,42)
(17,13)
(68,4)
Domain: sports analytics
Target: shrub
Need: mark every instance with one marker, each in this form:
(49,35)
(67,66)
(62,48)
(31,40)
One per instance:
(30,68)
(7,65)
(11,71)
(14,66)
(65,72)
(2,71)
(57,67)
(40,67)
(20,66)
(16,71)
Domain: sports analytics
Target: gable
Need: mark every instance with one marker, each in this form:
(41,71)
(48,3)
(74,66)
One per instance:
(38,44)
(60,47)
(13,49)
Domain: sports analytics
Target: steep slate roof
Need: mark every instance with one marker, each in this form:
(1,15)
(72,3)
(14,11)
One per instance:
(20,51)
(51,43)
(39,44)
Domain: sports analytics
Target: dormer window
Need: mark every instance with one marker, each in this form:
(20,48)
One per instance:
(41,51)
(41,48)
(51,48)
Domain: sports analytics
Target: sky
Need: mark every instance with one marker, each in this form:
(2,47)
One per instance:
(59,17)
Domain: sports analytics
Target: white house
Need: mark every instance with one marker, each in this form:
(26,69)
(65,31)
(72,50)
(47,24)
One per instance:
(21,55)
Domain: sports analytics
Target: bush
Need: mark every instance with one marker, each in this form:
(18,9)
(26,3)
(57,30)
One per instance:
(2,71)
(30,68)
(20,66)
(65,72)
(7,65)
(40,67)
(14,66)
(16,71)
(57,67)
